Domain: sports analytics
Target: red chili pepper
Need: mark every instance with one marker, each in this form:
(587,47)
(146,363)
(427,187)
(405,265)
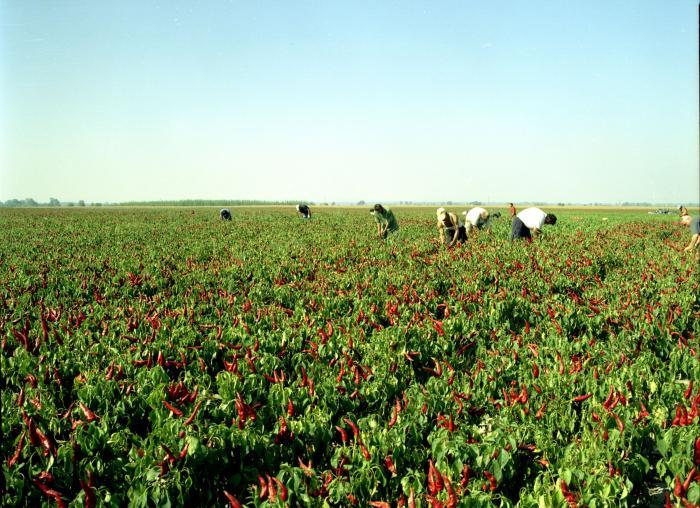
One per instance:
(379,504)
(90,499)
(89,415)
(581,398)
(173,409)
(282,493)
(568,495)
(696,455)
(183,452)
(466,473)
(343,434)
(492,481)
(620,425)
(271,489)
(194,413)
(610,397)
(540,411)
(688,479)
(390,465)
(394,415)
(263,487)
(678,490)
(169,456)
(535,371)
(18,450)
(45,442)
(50,493)
(689,390)
(353,426)
(232,500)
(365,452)
(451,495)
(290,408)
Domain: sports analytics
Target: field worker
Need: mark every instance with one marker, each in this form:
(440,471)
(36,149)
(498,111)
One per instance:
(450,228)
(685,217)
(475,219)
(386,222)
(511,209)
(695,236)
(529,222)
(225,214)
(304,210)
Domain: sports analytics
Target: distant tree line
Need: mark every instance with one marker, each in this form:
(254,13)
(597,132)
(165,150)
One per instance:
(208,202)
(53,202)
(31,202)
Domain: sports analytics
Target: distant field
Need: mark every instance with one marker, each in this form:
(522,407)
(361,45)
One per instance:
(155,356)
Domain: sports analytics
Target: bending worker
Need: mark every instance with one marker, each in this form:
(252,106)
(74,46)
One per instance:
(475,220)
(695,236)
(450,228)
(386,222)
(304,210)
(529,222)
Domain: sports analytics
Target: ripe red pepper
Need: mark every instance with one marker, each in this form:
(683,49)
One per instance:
(353,426)
(620,425)
(190,419)
(271,489)
(173,409)
(88,487)
(678,490)
(232,500)
(390,465)
(343,434)
(581,398)
(540,411)
(169,456)
(365,452)
(492,481)
(18,450)
(610,397)
(568,495)
(89,415)
(50,493)
(282,492)
(689,390)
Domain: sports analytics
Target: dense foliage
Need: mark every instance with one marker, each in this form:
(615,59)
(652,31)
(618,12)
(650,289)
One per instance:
(156,357)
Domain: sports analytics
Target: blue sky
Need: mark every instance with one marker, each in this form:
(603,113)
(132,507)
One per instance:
(341,101)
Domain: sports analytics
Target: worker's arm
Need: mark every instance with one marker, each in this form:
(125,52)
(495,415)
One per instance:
(694,242)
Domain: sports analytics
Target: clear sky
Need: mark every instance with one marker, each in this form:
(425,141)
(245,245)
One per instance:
(587,101)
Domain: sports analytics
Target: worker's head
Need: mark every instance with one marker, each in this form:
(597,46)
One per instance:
(484,215)
(298,208)
(378,208)
(441,214)
(510,204)
(550,219)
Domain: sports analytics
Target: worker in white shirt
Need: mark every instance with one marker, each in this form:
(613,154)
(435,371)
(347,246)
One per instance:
(475,219)
(529,222)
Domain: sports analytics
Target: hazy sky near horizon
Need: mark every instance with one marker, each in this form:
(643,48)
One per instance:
(343,101)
